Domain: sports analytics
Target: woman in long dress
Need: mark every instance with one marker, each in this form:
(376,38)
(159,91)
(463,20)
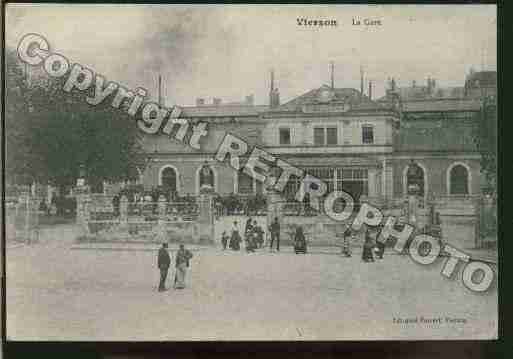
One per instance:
(235,237)
(299,241)
(182,263)
(346,242)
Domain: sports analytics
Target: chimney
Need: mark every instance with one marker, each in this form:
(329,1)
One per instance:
(275,98)
(250,100)
(361,81)
(274,94)
(160,91)
(271,90)
(200,102)
(216,101)
(370,89)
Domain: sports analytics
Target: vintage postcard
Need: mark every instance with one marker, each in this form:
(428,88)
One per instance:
(250,172)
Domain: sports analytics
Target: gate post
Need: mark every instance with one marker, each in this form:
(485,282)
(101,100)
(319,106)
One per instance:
(274,203)
(123,208)
(478,214)
(206,215)
(162,218)
(11,210)
(83,204)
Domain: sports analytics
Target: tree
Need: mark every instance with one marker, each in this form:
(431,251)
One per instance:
(16,120)
(52,134)
(485,137)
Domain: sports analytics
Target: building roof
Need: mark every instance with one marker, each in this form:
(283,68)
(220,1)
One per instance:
(440,105)
(449,136)
(482,79)
(223,111)
(332,96)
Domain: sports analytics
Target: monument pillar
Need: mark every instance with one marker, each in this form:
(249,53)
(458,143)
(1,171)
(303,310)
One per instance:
(123,209)
(413,205)
(83,199)
(162,219)
(274,202)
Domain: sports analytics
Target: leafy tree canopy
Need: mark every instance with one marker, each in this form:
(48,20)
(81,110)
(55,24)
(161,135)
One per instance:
(485,137)
(51,134)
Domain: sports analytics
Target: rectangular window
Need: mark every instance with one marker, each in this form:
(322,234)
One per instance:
(319,136)
(325,136)
(331,136)
(367,134)
(284,136)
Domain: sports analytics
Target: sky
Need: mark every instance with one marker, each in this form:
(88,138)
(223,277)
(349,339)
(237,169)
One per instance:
(227,51)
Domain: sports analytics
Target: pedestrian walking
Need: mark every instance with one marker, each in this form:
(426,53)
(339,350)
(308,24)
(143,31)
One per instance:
(259,232)
(248,236)
(346,242)
(163,263)
(368,245)
(380,248)
(224,240)
(249,226)
(275,234)
(235,237)
(183,257)
(300,241)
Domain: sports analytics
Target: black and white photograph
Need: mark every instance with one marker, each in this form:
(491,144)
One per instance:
(250,172)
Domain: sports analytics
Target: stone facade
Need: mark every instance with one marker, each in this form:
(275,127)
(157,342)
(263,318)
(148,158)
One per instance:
(355,143)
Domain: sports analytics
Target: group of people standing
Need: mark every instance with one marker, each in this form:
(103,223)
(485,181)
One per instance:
(254,236)
(371,246)
(182,258)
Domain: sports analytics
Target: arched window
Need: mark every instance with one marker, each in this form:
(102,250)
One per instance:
(458,180)
(206,176)
(168,179)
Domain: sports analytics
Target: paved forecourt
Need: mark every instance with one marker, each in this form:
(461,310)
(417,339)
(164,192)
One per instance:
(58,293)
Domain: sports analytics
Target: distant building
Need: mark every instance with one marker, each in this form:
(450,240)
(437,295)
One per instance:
(366,147)
(482,83)
(340,135)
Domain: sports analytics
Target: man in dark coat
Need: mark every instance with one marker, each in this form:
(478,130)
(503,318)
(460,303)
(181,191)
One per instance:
(164,260)
(275,233)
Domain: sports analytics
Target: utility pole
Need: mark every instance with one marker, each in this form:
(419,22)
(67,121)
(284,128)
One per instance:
(160,91)
(332,65)
(361,80)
